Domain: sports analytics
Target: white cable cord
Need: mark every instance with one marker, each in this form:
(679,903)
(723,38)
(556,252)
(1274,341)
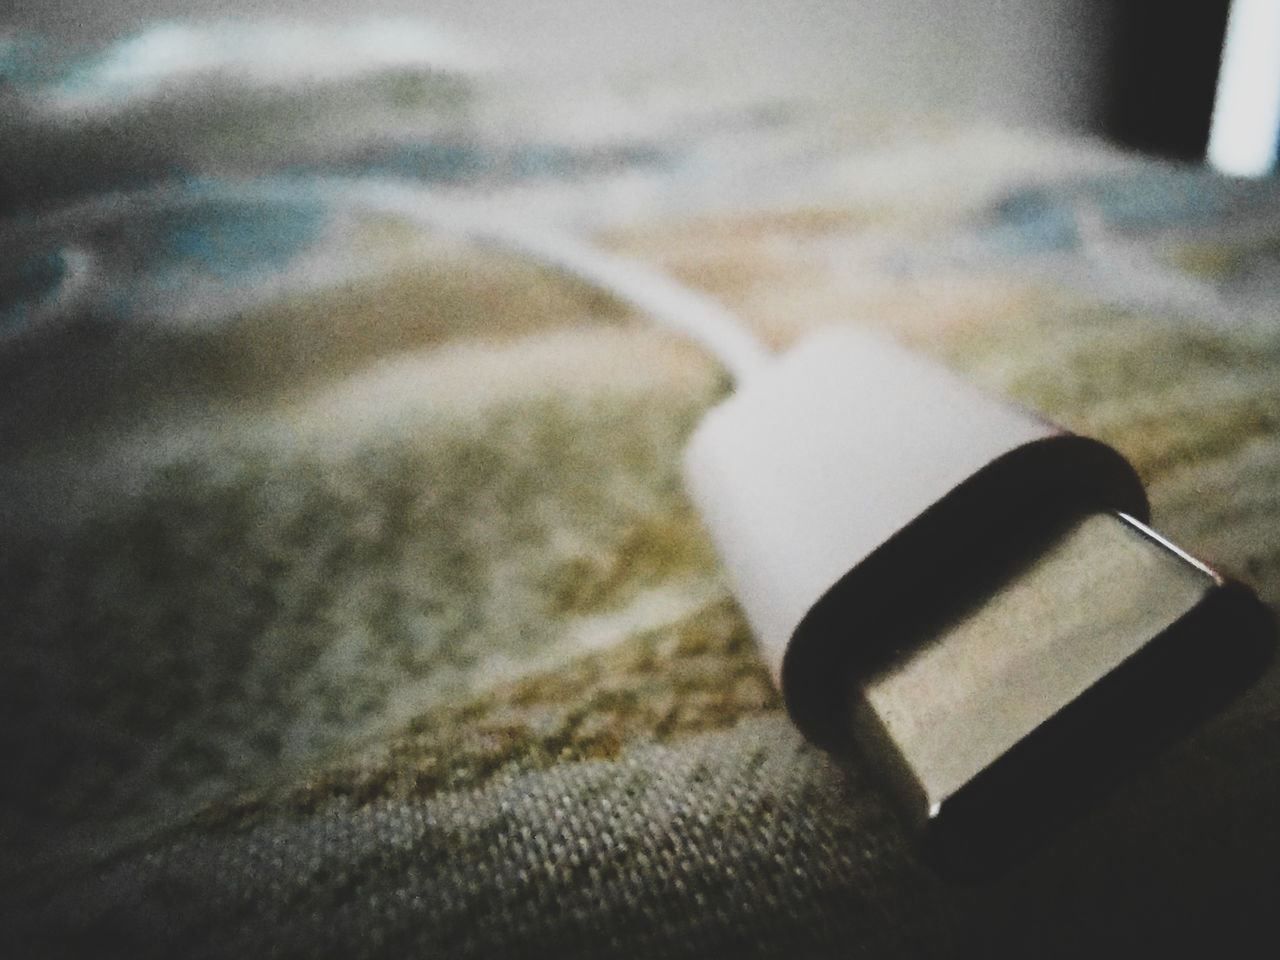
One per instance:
(665,301)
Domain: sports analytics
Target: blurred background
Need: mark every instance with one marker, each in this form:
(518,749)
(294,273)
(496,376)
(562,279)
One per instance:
(1139,71)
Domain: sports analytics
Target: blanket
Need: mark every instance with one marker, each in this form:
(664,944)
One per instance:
(351,603)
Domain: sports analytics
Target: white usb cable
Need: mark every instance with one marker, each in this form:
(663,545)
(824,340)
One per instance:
(945,584)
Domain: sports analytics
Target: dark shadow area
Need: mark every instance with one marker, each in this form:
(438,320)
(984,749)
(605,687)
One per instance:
(1163,73)
(1086,751)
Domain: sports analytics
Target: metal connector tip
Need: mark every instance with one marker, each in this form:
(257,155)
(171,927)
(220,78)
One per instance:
(1104,638)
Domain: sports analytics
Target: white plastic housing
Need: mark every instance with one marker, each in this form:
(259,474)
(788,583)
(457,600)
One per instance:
(824,457)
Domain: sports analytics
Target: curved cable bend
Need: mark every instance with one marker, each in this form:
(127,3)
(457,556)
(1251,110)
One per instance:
(665,301)
(668,303)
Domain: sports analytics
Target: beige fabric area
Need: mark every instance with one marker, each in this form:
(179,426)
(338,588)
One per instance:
(368,618)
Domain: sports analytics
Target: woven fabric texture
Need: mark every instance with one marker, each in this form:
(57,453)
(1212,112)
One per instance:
(351,603)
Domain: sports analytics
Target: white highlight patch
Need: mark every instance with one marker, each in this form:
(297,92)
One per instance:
(1246,112)
(166,55)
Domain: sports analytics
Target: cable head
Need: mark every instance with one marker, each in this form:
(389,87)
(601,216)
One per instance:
(951,587)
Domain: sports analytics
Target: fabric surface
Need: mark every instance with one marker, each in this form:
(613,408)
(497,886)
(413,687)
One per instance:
(351,603)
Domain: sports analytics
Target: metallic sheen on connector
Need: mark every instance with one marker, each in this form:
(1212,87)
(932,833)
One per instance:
(1102,631)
